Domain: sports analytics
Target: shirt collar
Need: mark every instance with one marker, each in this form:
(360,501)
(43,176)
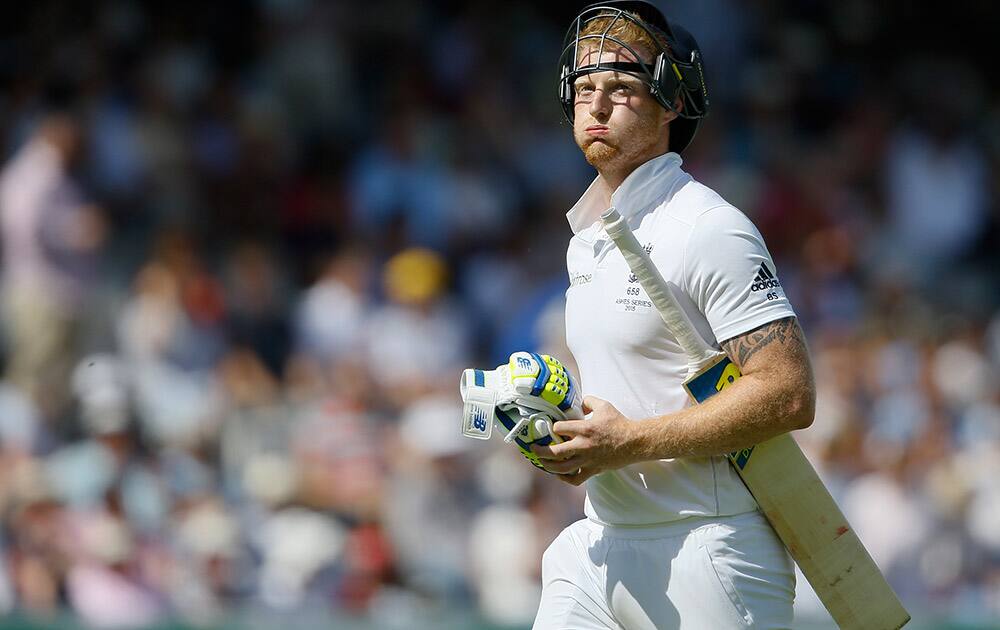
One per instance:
(647,184)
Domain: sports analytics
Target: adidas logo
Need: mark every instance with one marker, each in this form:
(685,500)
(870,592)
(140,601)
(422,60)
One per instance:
(765,280)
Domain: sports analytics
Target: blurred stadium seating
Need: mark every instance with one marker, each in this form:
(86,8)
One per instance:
(249,246)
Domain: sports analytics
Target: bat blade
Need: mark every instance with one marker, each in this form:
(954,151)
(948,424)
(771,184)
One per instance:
(820,540)
(808,520)
(785,485)
(713,377)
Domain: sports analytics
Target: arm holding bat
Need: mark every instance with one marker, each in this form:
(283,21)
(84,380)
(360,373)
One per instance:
(776,394)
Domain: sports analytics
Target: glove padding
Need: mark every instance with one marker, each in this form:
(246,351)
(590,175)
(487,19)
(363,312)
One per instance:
(524,397)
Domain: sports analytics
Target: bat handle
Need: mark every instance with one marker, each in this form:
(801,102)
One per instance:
(659,292)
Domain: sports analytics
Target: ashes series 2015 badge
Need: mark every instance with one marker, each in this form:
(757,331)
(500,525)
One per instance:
(634,299)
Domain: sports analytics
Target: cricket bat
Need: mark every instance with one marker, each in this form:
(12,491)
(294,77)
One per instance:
(777,473)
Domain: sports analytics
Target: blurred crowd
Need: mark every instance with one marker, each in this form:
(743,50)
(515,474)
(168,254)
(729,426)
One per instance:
(248,249)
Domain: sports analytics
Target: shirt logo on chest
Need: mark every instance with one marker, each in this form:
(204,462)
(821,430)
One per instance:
(634,300)
(648,247)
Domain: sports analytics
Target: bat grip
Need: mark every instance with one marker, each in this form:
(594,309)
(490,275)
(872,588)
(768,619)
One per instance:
(677,322)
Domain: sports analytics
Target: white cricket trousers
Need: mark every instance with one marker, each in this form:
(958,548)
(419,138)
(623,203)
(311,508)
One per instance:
(696,574)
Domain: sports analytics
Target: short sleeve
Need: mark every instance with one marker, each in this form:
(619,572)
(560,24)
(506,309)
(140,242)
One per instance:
(730,274)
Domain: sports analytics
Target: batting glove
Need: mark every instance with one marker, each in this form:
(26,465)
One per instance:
(524,397)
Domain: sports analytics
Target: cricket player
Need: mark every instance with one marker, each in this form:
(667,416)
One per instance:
(671,538)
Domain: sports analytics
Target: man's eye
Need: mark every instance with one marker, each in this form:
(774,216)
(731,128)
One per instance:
(622,88)
(584,90)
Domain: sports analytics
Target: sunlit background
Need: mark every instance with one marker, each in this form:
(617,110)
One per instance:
(248,248)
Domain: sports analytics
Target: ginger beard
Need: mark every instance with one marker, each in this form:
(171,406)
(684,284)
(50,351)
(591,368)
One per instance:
(635,128)
(626,143)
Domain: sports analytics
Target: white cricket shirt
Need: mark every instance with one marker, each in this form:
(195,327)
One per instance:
(727,284)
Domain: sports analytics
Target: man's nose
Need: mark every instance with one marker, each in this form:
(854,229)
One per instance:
(600,107)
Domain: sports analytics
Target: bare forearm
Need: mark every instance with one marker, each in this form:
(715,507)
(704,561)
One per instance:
(775,395)
(747,412)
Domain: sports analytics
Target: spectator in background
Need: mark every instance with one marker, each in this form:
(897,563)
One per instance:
(937,180)
(400,189)
(256,304)
(51,242)
(330,315)
(421,334)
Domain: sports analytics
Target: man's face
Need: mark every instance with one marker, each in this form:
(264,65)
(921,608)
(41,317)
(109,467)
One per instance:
(617,122)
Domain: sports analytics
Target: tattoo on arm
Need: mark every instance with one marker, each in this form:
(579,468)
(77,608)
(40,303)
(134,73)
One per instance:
(782,331)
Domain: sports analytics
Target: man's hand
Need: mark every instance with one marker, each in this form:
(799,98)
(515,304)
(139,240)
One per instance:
(604,441)
(525,397)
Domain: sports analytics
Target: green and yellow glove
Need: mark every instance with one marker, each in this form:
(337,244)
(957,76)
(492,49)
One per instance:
(524,397)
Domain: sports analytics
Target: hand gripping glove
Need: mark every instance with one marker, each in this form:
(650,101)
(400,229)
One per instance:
(524,397)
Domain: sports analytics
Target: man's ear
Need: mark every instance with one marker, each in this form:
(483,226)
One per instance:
(678,107)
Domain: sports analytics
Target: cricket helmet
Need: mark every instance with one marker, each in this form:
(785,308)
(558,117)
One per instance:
(675,71)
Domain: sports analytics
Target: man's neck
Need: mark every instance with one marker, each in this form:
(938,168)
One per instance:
(610,179)
(613,179)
